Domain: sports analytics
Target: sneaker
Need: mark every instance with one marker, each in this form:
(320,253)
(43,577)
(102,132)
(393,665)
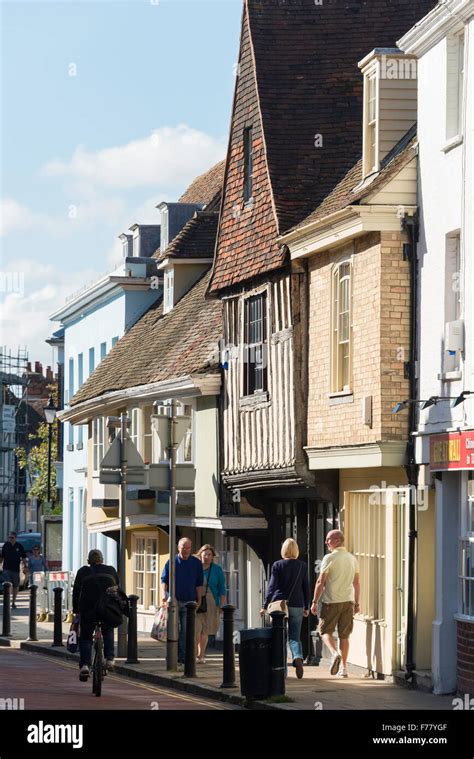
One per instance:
(109,665)
(335,663)
(342,673)
(84,673)
(299,668)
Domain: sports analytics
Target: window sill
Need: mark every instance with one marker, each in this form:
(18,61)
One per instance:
(450,376)
(337,399)
(463,618)
(257,400)
(452,143)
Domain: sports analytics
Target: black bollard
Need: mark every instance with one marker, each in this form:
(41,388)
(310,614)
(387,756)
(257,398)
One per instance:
(132,637)
(190,654)
(278,653)
(33,632)
(7,614)
(229,648)
(58,617)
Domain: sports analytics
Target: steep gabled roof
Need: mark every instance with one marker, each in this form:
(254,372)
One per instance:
(162,346)
(305,69)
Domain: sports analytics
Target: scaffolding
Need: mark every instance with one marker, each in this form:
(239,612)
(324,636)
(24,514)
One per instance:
(13,433)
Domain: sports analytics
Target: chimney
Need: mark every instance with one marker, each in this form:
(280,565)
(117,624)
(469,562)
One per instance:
(49,374)
(28,366)
(38,367)
(390,103)
(174,216)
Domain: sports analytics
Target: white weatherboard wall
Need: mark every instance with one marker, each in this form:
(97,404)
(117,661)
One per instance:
(94,327)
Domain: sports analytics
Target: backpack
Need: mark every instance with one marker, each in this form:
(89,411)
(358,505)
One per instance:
(111,606)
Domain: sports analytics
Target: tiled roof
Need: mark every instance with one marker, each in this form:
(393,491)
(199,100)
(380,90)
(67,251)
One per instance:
(197,239)
(162,346)
(308,82)
(205,187)
(343,194)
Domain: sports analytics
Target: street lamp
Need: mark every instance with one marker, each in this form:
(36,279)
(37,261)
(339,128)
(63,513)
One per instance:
(50,412)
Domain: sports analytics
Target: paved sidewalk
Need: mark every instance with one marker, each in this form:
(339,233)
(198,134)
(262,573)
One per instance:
(317,690)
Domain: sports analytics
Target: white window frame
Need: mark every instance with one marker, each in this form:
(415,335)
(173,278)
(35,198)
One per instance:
(337,358)
(455,63)
(453,296)
(168,290)
(136,427)
(151,578)
(371,108)
(98,441)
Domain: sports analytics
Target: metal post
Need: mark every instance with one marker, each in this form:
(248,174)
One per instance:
(172,629)
(33,632)
(190,656)
(122,631)
(50,446)
(278,653)
(132,649)
(7,589)
(229,648)
(58,617)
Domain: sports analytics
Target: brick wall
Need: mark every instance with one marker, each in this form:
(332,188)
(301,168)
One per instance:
(380,343)
(465,650)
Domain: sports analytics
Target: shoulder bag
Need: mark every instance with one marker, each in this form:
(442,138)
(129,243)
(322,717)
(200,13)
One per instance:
(283,605)
(203,605)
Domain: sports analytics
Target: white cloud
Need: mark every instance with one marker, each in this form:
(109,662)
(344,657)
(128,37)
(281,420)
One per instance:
(17,217)
(26,311)
(170,156)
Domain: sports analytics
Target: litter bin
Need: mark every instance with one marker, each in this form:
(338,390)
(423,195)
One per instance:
(255,662)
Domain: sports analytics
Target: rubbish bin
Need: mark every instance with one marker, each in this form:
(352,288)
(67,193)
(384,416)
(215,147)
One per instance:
(255,662)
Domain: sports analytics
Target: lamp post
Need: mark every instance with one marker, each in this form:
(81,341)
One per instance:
(50,412)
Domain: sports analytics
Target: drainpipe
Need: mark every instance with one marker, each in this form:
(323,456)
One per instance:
(410,225)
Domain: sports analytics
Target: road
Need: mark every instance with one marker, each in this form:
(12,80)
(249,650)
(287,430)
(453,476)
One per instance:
(46,683)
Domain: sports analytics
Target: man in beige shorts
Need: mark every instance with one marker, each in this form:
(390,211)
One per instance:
(338,586)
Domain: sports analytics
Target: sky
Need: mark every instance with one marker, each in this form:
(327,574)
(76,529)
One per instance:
(108,108)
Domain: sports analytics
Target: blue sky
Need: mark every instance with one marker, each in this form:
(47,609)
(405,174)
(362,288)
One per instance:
(108,107)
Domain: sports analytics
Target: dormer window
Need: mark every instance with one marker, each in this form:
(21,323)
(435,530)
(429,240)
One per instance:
(168,295)
(248,164)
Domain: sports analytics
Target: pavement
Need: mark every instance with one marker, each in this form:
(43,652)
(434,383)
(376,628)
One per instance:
(318,690)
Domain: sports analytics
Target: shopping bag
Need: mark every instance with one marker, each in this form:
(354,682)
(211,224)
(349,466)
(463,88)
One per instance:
(73,636)
(160,624)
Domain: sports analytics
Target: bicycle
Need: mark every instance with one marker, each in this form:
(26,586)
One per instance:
(98,667)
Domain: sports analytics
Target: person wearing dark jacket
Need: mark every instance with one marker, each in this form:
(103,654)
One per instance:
(91,581)
(289,582)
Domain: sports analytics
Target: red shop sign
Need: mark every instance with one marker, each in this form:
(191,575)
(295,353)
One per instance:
(453,450)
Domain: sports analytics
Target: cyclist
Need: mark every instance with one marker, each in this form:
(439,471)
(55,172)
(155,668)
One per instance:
(91,581)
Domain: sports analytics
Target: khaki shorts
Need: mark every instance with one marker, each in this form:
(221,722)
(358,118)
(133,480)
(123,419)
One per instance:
(208,623)
(341,614)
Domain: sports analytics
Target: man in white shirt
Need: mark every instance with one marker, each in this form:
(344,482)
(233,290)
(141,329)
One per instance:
(338,586)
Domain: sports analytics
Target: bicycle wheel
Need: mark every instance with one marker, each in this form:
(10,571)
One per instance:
(98,668)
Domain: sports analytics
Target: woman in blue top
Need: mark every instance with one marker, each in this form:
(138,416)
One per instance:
(208,622)
(289,582)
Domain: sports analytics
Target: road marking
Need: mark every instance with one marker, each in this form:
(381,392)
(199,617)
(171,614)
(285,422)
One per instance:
(125,679)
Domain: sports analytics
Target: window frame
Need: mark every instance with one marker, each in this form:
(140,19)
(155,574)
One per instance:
(466,546)
(371,162)
(148,588)
(168,290)
(248,163)
(337,380)
(98,442)
(455,75)
(251,387)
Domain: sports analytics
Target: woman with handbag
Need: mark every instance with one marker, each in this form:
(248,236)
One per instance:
(288,591)
(208,614)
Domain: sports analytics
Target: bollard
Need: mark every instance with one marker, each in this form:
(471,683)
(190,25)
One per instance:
(58,617)
(33,632)
(7,614)
(278,653)
(132,637)
(190,654)
(229,648)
